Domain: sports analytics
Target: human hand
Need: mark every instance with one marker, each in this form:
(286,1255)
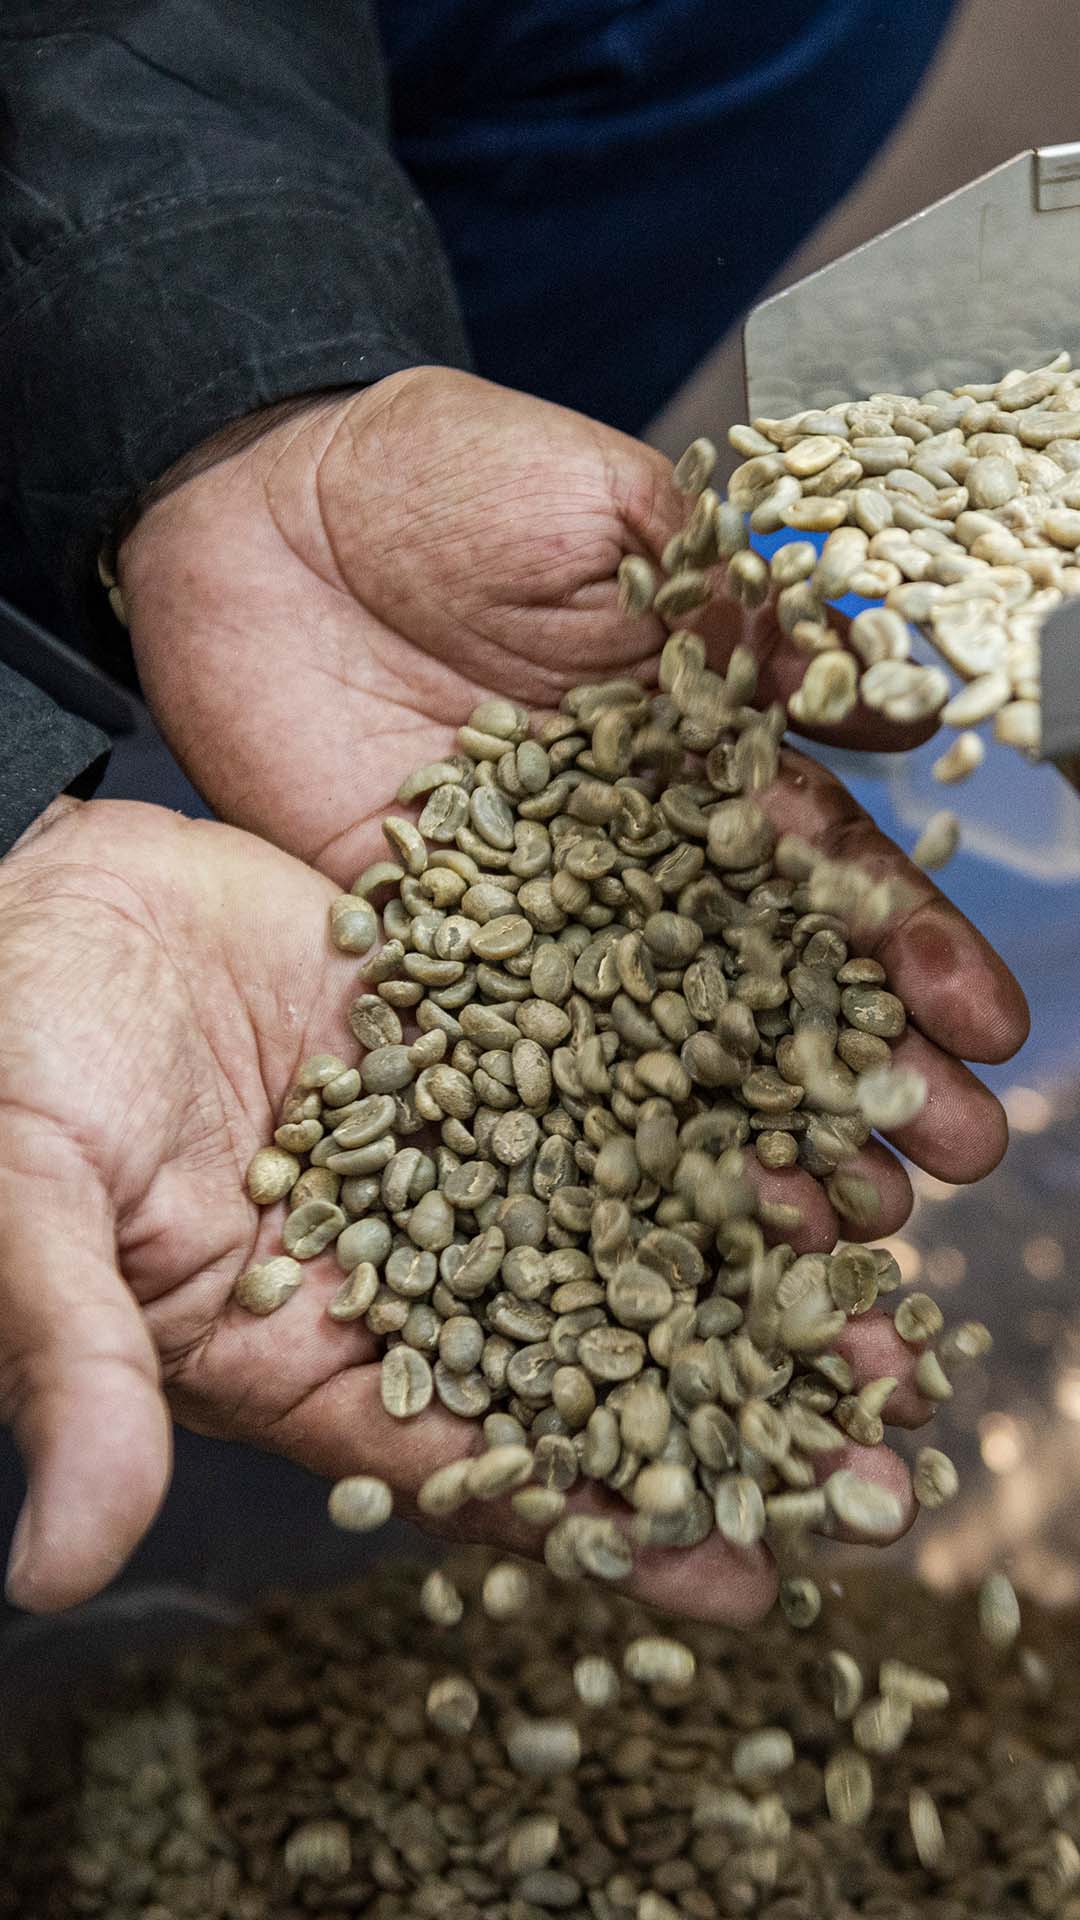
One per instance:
(317,614)
(162,979)
(314,617)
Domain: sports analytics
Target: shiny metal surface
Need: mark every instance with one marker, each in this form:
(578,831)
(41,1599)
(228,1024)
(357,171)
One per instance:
(1059,645)
(984,279)
(1057,176)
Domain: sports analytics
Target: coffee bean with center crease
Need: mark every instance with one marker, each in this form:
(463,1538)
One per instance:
(406,1383)
(600,985)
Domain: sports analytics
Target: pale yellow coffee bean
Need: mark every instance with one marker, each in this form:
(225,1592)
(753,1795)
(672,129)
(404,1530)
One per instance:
(747,578)
(541,1749)
(847,1684)
(440,1601)
(763,1753)
(381,873)
(353,925)
(1018,724)
(694,470)
(793,562)
(1061,525)
(881,1725)
(999,1611)
(502,718)
(935,1479)
(828,692)
(740,1510)
(879,634)
(869,1511)
(360,1503)
(747,441)
(969,1340)
(812,455)
(931,1379)
(424,780)
(498,1471)
(924,695)
(891,1097)
(682,593)
(972,638)
(596,1682)
(637,584)
(959,760)
(657,1661)
(538,1507)
(991,481)
(445,1490)
(405,1382)
(937,842)
(849,1788)
(453,1705)
(841,556)
(817,513)
(871,511)
(770,513)
(980,699)
(918,1319)
(754,479)
(927,1832)
(919,1689)
(266,1287)
(800,1602)
(505,1591)
(874,579)
(271,1174)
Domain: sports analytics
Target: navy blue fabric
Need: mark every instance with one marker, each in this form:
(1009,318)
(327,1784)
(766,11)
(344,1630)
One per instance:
(615,183)
(207,206)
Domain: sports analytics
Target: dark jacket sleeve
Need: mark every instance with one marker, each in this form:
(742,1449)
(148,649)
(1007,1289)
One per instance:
(199,215)
(46,751)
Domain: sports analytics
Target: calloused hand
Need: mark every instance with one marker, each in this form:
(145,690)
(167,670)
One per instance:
(161,981)
(315,616)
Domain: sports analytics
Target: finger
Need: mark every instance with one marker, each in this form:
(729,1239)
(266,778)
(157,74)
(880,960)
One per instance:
(874,1351)
(956,988)
(78,1380)
(962,1132)
(731,1586)
(714,1581)
(819,1226)
(881,1171)
(781,667)
(343,1428)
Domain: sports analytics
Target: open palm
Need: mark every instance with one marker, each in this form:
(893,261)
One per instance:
(311,619)
(171,975)
(314,617)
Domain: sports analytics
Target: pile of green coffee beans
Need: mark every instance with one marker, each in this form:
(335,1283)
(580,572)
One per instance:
(491,1745)
(603,1008)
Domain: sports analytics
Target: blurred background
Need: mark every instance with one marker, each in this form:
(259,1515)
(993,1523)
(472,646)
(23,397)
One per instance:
(236,1522)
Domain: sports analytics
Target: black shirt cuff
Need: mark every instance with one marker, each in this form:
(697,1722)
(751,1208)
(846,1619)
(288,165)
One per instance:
(46,751)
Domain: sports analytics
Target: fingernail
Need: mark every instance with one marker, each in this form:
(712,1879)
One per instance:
(16,1584)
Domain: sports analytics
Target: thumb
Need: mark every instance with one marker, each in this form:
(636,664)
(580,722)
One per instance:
(79,1380)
